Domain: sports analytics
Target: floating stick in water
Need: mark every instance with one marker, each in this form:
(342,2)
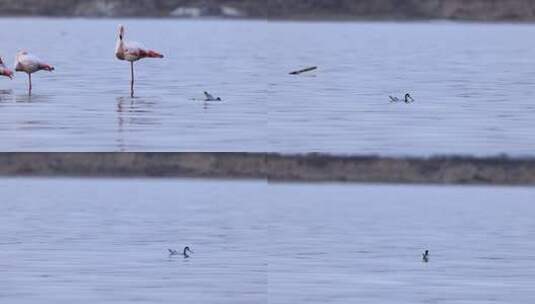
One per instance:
(304,70)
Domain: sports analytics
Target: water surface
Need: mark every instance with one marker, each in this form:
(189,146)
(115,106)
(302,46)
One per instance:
(105,241)
(85,106)
(363,244)
(472,85)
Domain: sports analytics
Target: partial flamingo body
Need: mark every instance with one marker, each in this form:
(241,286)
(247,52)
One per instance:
(29,64)
(4,71)
(132,51)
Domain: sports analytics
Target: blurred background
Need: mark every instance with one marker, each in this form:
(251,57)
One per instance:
(280,9)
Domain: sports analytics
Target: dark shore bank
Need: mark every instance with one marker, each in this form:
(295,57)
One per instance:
(275,167)
(487,10)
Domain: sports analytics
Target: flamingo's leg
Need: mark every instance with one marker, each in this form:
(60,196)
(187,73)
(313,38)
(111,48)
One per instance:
(132,80)
(29,84)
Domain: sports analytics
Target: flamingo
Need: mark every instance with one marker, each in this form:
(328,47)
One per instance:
(29,63)
(4,71)
(132,51)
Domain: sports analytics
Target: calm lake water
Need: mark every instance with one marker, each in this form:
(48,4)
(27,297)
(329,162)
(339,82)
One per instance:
(106,240)
(363,244)
(472,84)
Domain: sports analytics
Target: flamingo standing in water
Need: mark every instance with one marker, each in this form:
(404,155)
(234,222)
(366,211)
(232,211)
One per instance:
(28,63)
(132,51)
(4,71)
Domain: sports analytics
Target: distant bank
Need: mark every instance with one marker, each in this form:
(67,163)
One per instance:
(275,167)
(484,10)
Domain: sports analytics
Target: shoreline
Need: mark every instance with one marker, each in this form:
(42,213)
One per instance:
(288,10)
(272,167)
(279,20)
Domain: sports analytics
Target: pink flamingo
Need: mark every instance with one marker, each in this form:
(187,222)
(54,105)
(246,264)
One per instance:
(28,63)
(132,51)
(4,71)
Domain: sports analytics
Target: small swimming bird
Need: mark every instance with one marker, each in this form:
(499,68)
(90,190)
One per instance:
(425,256)
(132,51)
(29,64)
(4,71)
(210,97)
(184,253)
(407,99)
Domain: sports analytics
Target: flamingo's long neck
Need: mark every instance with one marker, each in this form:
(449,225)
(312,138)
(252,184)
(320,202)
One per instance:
(18,65)
(119,48)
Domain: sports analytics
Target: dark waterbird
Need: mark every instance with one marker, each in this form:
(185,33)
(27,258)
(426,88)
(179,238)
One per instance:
(210,97)
(425,256)
(184,252)
(406,99)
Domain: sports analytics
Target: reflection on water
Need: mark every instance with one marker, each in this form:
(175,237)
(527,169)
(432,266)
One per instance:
(33,98)
(136,105)
(10,96)
(134,113)
(5,95)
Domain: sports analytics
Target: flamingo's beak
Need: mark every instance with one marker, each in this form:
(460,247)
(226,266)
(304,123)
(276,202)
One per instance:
(121,31)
